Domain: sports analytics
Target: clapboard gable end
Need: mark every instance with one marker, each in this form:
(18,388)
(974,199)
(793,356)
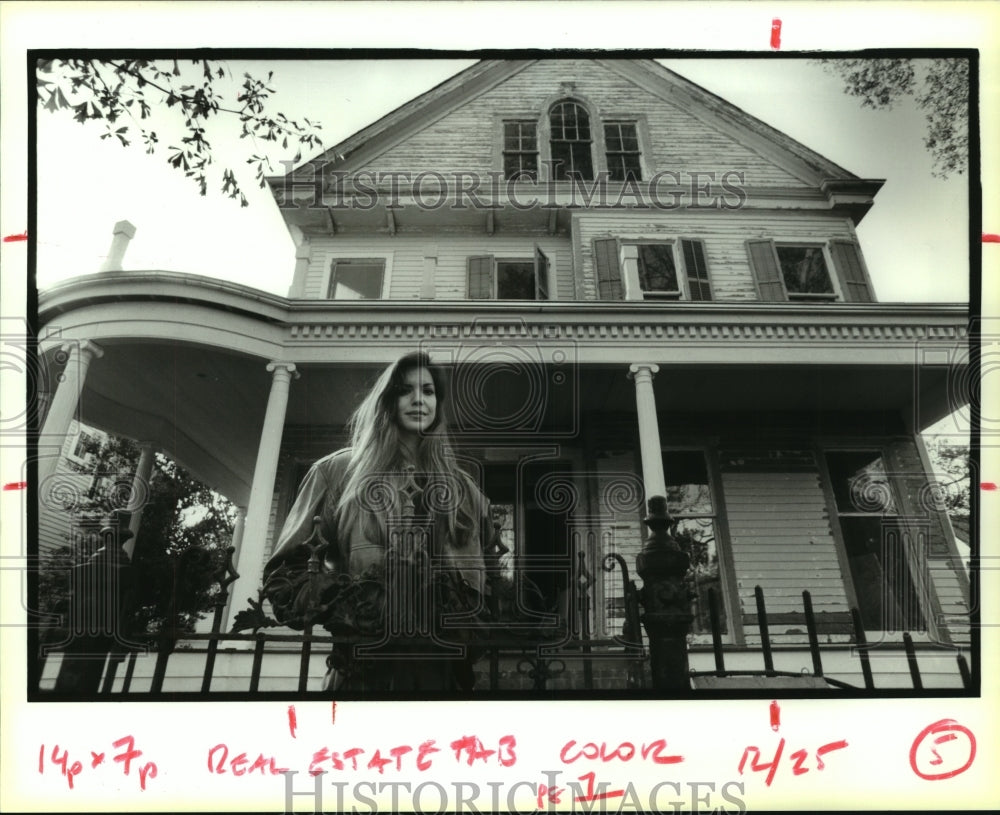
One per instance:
(455,127)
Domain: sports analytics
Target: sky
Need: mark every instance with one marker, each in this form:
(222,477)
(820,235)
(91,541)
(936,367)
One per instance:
(914,238)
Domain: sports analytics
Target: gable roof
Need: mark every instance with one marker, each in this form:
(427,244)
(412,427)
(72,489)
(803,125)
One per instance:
(715,111)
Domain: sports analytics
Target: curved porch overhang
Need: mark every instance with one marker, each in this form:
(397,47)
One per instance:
(185,357)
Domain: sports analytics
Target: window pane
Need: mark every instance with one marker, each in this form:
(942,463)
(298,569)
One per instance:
(704,576)
(622,146)
(886,594)
(621,136)
(804,270)
(686,475)
(582,165)
(356,280)
(624,166)
(613,137)
(503,514)
(562,162)
(860,483)
(520,157)
(569,127)
(520,166)
(656,268)
(515,280)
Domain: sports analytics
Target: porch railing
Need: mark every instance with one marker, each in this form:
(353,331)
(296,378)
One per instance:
(575,660)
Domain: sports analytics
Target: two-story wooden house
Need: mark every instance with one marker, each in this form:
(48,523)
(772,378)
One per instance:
(639,290)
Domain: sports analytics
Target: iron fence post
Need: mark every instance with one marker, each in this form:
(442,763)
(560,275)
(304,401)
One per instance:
(665,599)
(97,606)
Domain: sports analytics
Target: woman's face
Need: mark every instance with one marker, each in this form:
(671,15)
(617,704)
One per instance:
(416,406)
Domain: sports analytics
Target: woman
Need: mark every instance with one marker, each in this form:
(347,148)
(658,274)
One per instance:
(393,534)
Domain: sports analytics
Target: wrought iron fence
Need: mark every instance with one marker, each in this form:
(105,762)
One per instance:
(564,657)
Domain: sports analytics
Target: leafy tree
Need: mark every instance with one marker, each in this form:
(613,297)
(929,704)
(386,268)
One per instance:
(950,459)
(940,88)
(129,95)
(182,541)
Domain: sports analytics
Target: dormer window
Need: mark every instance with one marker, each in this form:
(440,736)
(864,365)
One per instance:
(570,142)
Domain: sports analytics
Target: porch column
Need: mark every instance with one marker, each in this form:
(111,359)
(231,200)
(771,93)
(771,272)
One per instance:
(249,558)
(65,401)
(649,429)
(140,489)
(662,565)
(237,544)
(629,261)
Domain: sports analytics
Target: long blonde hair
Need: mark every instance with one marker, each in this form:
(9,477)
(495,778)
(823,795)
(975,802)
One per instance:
(375,469)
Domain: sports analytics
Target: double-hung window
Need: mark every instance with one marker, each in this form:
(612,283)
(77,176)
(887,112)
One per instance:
(520,150)
(357,279)
(658,271)
(668,269)
(876,543)
(621,144)
(805,271)
(491,278)
(691,504)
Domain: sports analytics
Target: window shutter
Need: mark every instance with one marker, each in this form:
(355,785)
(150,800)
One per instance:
(481,277)
(766,272)
(850,268)
(696,268)
(541,275)
(609,276)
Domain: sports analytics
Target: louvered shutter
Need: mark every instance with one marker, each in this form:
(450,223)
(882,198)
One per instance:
(766,272)
(850,268)
(541,275)
(696,268)
(481,277)
(609,276)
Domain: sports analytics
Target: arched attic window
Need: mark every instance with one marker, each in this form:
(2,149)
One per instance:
(570,141)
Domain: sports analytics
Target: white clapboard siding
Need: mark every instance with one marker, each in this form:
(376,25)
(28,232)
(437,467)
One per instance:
(724,235)
(407,254)
(781,540)
(952,598)
(466,139)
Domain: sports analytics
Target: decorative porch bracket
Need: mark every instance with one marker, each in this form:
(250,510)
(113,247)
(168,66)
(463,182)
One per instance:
(665,599)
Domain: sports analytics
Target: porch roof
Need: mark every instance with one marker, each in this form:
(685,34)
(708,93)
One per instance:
(752,333)
(184,357)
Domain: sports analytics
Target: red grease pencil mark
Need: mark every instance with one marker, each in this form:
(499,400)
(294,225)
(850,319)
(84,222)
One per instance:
(988,237)
(989,486)
(943,766)
(292,723)
(333,712)
(776,33)
(775,716)
(14,238)
(16,485)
